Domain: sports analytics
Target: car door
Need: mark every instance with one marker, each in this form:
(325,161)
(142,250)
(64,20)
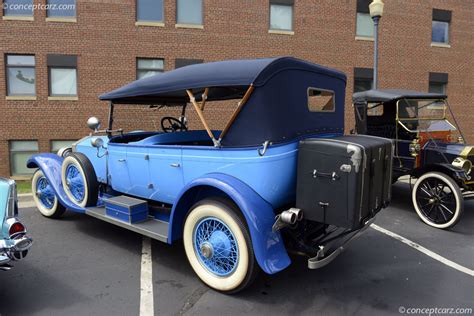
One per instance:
(117,167)
(138,170)
(165,172)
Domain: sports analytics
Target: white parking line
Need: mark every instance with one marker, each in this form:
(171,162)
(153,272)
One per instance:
(422,249)
(146,280)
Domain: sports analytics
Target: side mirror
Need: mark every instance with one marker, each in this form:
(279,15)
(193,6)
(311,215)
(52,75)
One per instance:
(97,142)
(93,123)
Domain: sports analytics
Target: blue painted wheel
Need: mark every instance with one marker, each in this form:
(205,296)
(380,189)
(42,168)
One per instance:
(45,193)
(45,196)
(79,180)
(75,182)
(218,245)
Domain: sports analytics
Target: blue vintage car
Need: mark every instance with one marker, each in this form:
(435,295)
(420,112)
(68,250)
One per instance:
(229,194)
(14,241)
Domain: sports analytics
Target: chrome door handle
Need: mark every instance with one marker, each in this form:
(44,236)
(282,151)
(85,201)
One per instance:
(121,160)
(175,165)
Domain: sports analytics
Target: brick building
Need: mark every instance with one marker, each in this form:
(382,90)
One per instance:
(57,59)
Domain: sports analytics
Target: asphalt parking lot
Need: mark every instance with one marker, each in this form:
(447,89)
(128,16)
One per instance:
(82,266)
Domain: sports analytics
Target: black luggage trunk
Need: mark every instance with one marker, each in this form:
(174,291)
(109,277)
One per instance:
(345,180)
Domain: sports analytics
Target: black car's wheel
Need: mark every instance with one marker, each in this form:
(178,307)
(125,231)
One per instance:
(438,200)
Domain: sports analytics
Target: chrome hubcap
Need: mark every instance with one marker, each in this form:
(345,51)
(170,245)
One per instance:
(207,250)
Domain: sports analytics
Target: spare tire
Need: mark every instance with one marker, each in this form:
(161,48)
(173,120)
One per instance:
(79,180)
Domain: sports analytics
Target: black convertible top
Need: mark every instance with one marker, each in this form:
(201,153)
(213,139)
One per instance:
(385,95)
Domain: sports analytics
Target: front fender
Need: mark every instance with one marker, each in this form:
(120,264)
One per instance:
(268,246)
(456,173)
(51,165)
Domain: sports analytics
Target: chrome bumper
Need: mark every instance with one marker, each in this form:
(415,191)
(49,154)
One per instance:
(322,259)
(12,250)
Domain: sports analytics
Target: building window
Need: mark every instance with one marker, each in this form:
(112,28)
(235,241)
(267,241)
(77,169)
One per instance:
(150,10)
(189,12)
(320,100)
(58,144)
(20,151)
(18,7)
(281,15)
(62,8)
(438,82)
(181,62)
(364,23)
(147,67)
(440,26)
(62,73)
(21,79)
(363,79)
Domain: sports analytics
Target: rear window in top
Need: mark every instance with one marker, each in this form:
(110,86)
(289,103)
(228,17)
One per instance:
(320,100)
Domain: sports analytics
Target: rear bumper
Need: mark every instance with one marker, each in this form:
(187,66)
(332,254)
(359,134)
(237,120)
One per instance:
(14,249)
(328,252)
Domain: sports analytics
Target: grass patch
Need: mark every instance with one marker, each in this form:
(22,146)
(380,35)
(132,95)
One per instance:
(23,187)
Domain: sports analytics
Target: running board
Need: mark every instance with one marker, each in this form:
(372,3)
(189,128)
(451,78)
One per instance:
(152,228)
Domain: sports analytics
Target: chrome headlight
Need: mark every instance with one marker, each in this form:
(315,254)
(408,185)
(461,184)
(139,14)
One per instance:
(462,163)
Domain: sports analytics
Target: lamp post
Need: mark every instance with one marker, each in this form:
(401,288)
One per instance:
(376,12)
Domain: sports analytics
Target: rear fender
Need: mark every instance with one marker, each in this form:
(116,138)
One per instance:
(268,246)
(51,165)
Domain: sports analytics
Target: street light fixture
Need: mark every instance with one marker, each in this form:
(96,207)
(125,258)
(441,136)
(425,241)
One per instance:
(376,12)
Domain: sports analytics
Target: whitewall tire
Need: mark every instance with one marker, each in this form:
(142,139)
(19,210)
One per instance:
(79,180)
(44,196)
(218,245)
(438,200)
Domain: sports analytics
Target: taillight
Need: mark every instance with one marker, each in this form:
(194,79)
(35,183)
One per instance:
(16,228)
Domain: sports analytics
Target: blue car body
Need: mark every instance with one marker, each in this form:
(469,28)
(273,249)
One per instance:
(254,164)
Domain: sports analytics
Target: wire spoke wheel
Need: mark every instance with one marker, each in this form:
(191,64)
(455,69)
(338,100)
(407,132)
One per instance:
(45,197)
(438,200)
(79,180)
(218,245)
(75,182)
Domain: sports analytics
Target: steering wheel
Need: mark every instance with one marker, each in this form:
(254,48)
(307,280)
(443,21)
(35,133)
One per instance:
(170,124)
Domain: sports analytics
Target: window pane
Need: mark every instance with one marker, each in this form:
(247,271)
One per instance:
(149,10)
(20,151)
(21,60)
(320,100)
(189,11)
(62,8)
(281,17)
(63,81)
(439,32)
(365,25)
(21,81)
(436,87)
(24,145)
(362,84)
(58,144)
(151,64)
(146,73)
(18,7)
(18,164)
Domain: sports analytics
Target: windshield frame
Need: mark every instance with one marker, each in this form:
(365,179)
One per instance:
(401,120)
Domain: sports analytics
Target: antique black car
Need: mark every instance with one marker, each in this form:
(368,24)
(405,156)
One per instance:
(427,146)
